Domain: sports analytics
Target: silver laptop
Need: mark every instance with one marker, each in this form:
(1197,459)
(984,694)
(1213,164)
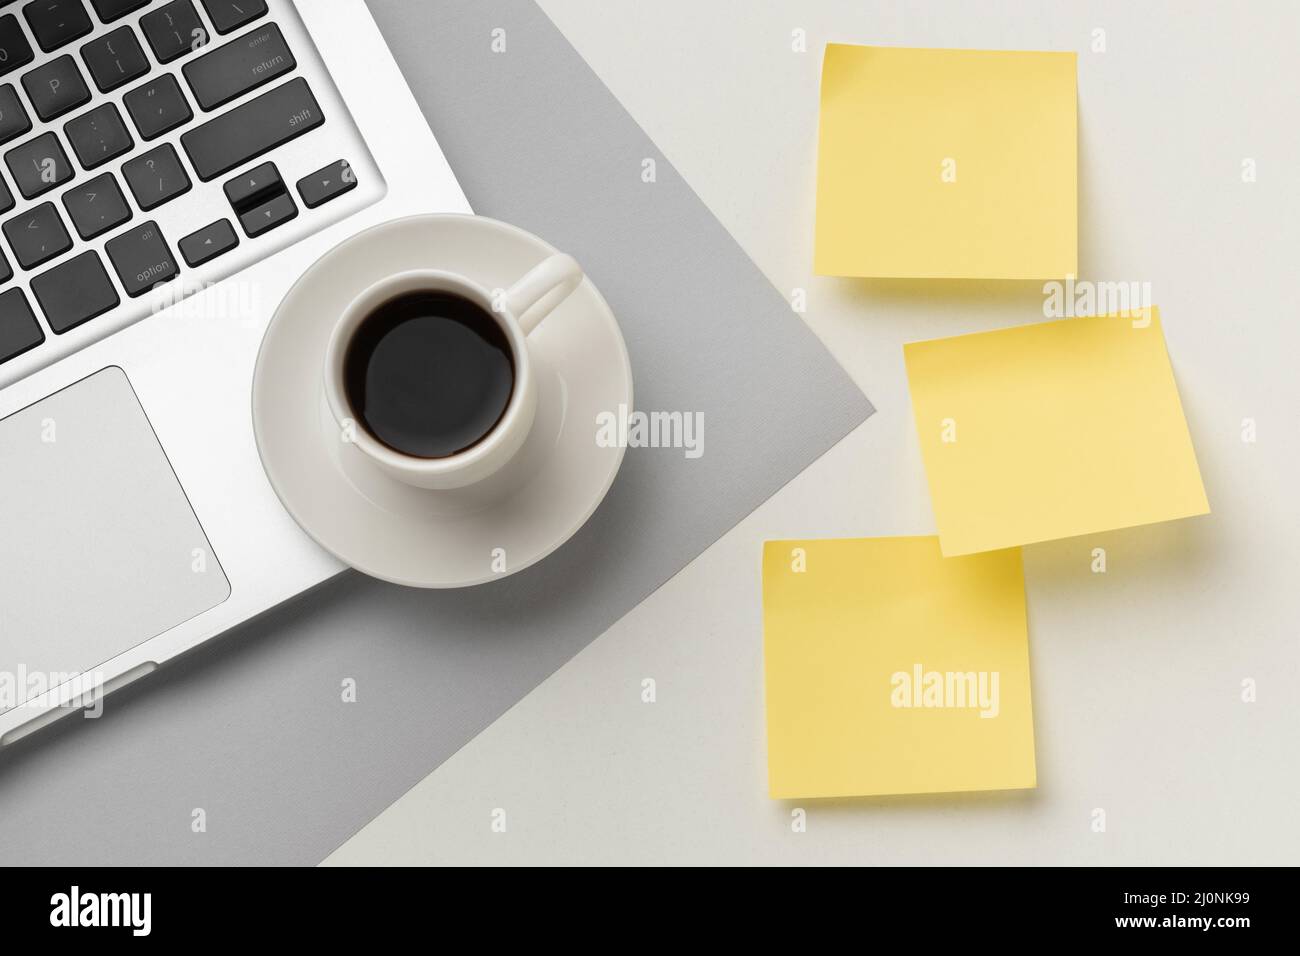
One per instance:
(168,170)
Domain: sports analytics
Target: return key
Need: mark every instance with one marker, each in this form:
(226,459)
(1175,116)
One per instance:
(243,64)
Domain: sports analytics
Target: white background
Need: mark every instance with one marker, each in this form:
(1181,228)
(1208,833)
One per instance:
(1138,672)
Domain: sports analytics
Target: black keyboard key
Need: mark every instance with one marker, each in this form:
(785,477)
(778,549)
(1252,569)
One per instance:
(74,292)
(114,59)
(37,235)
(96,206)
(254,187)
(156,176)
(157,106)
(15,51)
(234,68)
(6,273)
(227,15)
(274,212)
(260,199)
(251,129)
(173,30)
(208,243)
(56,87)
(56,22)
(39,165)
(110,10)
(98,136)
(141,258)
(14,120)
(19,330)
(327,183)
(6,197)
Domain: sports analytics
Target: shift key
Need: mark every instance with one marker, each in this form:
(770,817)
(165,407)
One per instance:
(234,68)
(251,129)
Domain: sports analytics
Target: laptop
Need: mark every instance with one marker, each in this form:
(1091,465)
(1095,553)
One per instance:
(167,170)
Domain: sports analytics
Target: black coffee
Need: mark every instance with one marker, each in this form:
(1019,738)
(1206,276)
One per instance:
(429,374)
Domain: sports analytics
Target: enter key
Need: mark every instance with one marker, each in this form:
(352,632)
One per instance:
(243,64)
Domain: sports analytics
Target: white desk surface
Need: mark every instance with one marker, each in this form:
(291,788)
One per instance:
(1137,672)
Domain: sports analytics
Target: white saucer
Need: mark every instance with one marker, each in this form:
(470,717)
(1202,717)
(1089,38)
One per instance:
(439,539)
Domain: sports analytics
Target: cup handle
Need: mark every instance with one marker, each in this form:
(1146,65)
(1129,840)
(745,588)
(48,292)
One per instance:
(535,296)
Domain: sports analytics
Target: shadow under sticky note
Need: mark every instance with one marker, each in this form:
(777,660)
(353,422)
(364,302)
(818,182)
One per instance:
(1052,430)
(947,164)
(891,669)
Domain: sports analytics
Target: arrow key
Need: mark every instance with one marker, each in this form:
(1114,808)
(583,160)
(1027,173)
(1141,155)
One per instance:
(327,183)
(254,187)
(208,243)
(274,212)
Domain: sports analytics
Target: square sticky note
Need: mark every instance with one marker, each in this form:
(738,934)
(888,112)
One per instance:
(891,669)
(947,164)
(1052,430)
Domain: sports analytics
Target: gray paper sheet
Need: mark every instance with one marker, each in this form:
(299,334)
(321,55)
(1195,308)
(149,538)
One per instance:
(252,729)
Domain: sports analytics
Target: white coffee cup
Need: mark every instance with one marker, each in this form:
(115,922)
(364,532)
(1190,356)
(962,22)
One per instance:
(518,311)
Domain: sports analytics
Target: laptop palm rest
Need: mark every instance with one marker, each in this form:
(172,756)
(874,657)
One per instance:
(99,548)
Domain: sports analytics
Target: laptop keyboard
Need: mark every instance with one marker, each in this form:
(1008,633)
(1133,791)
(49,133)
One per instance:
(97,132)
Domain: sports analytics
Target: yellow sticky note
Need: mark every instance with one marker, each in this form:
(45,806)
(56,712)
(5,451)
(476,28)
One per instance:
(947,164)
(891,669)
(1052,430)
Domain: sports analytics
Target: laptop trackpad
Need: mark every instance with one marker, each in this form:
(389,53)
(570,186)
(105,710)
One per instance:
(99,549)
